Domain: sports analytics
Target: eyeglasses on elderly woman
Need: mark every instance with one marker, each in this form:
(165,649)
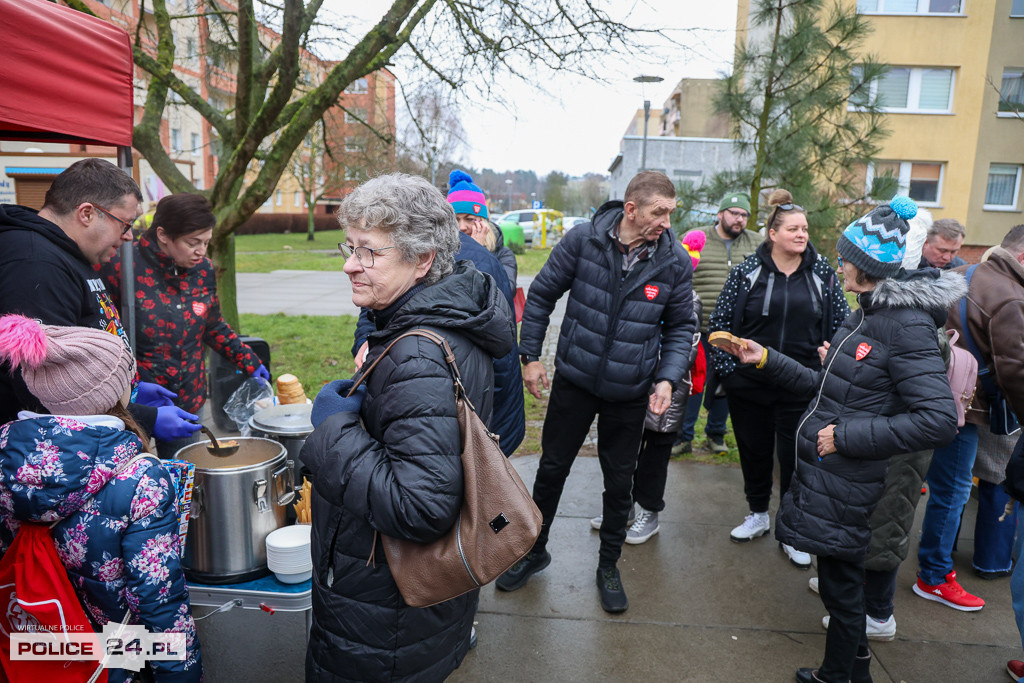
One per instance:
(364,255)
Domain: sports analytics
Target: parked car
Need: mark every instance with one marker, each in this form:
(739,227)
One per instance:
(528,219)
(572,221)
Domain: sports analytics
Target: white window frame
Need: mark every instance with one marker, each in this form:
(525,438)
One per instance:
(297,198)
(922,8)
(1008,114)
(279,198)
(360,85)
(904,179)
(1016,191)
(1020,11)
(350,116)
(176,140)
(197,141)
(913,92)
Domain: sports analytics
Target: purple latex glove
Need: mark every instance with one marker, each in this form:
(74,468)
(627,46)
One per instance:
(154,395)
(262,373)
(173,423)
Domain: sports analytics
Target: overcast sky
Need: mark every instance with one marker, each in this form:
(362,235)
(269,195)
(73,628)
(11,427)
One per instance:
(577,127)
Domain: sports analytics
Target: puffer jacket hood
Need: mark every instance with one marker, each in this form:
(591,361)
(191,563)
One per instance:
(63,469)
(466,302)
(929,289)
(21,218)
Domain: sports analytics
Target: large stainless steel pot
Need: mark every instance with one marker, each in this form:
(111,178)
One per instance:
(236,502)
(288,424)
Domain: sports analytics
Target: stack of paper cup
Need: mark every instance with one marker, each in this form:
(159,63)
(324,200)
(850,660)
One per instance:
(288,553)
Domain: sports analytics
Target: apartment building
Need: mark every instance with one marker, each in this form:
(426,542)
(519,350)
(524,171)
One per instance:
(953,98)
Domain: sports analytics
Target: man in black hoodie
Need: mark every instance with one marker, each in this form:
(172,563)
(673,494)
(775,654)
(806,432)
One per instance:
(46,273)
(628,324)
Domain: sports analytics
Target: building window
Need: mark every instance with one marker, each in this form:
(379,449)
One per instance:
(190,48)
(355,115)
(1011,94)
(909,6)
(358,85)
(278,198)
(196,144)
(353,144)
(176,140)
(1003,187)
(354,173)
(909,90)
(1017,9)
(297,200)
(921,181)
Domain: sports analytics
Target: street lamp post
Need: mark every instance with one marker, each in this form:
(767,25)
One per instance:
(647,115)
(509,183)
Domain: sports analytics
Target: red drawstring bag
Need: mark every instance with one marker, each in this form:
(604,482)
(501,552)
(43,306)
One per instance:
(44,602)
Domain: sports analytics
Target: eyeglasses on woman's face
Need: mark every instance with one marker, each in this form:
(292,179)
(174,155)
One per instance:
(364,255)
(839,260)
(125,225)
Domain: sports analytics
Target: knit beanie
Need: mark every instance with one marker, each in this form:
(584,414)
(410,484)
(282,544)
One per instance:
(877,242)
(735,200)
(464,196)
(693,242)
(71,370)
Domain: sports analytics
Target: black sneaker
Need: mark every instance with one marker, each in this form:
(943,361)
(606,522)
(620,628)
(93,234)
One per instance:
(609,585)
(516,576)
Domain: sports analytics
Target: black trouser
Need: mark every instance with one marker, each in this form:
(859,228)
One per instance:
(879,592)
(652,470)
(620,424)
(841,585)
(764,432)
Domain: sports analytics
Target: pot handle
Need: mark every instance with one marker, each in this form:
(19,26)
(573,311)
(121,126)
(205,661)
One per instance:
(197,501)
(284,483)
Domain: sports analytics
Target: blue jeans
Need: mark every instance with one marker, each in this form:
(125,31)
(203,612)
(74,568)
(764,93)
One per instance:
(949,488)
(1017,580)
(718,408)
(993,540)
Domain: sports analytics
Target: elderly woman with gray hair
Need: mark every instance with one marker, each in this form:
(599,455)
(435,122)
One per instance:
(387,458)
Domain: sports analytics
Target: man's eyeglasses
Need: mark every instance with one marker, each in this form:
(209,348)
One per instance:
(125,225)
(738,214)
(363,254)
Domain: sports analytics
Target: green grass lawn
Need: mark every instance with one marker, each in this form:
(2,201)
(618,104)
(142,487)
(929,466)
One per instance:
(325,239)
(249,262)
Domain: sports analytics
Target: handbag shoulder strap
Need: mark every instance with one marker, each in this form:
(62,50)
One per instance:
(449,357)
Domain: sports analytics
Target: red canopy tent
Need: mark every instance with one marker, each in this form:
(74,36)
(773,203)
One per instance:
(67,77)
(64,76)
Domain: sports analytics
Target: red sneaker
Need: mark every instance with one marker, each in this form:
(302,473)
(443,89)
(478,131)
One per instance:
(1015,668)
(950,593)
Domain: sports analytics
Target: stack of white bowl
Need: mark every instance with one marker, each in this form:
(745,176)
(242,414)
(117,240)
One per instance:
(288,553)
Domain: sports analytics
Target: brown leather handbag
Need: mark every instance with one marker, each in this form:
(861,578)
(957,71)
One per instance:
(497,525)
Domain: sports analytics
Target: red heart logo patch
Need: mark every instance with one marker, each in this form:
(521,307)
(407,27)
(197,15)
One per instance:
(862,351)
(476,209)
(650,291)
(199,308)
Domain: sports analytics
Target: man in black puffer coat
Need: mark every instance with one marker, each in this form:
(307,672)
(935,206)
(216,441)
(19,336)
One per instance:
(630,298)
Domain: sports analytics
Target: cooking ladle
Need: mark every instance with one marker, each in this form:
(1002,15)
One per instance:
(215,448)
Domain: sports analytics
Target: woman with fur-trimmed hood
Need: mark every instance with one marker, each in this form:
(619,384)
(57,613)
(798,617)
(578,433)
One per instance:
(882,391)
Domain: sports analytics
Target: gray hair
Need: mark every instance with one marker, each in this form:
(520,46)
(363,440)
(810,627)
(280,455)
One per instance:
(413,212)
(947,229)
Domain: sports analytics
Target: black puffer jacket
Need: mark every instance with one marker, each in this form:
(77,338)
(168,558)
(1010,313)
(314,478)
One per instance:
(395,468)
(614,326)
(884,387)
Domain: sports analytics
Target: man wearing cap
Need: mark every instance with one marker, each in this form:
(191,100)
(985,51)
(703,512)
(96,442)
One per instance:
(728,243)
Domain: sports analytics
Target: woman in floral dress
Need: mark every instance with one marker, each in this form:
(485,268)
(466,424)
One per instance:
(117,536)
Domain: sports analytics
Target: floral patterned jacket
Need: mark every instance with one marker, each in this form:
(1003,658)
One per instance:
(177,312)
(118,542)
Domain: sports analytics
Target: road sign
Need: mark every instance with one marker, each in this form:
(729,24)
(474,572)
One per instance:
(536,204)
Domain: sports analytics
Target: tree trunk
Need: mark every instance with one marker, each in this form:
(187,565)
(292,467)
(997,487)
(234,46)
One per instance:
(311,224)
(223,245)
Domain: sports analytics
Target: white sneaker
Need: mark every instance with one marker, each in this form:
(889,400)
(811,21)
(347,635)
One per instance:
(797,557)
(595,523)
(876,630)
(755,524)
(813,584)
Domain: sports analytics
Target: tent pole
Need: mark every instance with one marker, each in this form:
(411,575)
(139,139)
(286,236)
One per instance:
(124,162)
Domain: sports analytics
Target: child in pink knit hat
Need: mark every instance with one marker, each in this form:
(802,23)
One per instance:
(112,513)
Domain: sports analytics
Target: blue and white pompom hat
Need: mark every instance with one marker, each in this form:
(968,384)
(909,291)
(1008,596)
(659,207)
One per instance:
(877,242)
